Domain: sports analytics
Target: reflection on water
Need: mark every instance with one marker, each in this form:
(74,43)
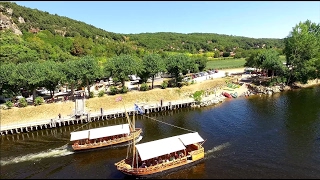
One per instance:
(274,136)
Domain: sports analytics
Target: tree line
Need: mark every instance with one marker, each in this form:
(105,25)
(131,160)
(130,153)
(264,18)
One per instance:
(302,52)
(84,72)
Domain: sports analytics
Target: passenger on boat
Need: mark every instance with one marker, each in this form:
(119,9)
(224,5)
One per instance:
(171,158)
(143,165)
(168,156)
(76,143)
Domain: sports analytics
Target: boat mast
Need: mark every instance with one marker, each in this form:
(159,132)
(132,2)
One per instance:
(128,119)
(134,147)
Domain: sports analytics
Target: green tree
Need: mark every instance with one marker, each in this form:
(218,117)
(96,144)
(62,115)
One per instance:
(201,62)
(120,67)
(253,60)
(177,64)
(152,64)
(271,61)
(30,75)
(8,85)
(88,70)
(54,75)
(301,46)
(71,74)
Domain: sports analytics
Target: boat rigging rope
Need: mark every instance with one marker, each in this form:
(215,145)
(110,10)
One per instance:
(82,126)
(168,123)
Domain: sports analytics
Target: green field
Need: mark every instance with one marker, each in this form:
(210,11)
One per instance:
(227,63)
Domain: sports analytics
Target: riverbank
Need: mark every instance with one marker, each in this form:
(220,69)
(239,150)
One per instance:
(108,103)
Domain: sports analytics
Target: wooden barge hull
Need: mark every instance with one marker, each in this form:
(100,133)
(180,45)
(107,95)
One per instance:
(193,158)
(117,141)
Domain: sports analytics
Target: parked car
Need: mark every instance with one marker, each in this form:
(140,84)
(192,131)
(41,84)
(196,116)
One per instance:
(132,77)
(205,73)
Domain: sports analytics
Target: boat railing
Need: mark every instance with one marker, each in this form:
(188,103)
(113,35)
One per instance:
(201,150)
(163,165)
(110,141)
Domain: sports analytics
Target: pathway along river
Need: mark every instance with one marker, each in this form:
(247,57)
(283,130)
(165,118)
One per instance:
(274,136)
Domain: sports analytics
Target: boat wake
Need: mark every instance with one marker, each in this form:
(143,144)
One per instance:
(57,152)
(214,149)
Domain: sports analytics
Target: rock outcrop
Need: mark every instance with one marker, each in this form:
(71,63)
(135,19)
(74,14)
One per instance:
(268,90)
(7,23)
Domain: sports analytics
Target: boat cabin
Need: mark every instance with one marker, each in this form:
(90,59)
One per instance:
(168,150)
(100,135)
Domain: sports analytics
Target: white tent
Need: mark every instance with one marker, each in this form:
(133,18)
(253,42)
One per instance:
(79,135)
(161,147)
(190,138)
(109,131)
(100,132)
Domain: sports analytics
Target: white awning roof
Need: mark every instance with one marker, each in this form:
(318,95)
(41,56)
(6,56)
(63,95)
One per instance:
(161,147)
(100,132)
(109,131)
(190,138)
(79,135)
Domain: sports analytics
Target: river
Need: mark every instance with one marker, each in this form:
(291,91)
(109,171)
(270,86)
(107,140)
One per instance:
(275,136)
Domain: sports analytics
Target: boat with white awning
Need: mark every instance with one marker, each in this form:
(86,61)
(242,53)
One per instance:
(104,136)
(163,154)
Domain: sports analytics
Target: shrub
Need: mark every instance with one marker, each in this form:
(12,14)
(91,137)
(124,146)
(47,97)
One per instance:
(226,54)
(91,94)
(124,90)
(101,93)
(172,83)
(180,84)
(113,90)
(9,104)
(38,100)
(144,87)
(164,84)
(23,102)
(197,96)
(276,80)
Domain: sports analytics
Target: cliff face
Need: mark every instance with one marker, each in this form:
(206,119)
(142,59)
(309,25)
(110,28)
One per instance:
(7,23)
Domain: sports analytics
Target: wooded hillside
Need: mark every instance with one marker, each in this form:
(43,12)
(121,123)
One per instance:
(52,37)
